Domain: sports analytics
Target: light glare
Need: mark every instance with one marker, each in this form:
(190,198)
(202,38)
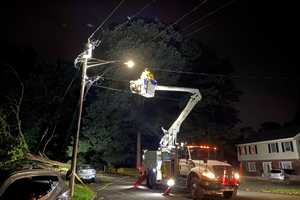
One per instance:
(129,64)
(236,176)
(209,174)
(170,182)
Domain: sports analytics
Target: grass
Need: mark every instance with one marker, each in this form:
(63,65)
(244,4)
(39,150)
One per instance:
(83,192)
(128,172)
(269,186)
(288,191)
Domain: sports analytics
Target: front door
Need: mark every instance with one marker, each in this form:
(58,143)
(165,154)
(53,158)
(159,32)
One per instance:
(267,166)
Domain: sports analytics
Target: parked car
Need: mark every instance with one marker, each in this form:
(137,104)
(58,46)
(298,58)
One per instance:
(85,172)
(282,174)
(33,184)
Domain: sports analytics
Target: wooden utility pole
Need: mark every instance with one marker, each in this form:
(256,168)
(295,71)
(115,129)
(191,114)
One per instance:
(76,136)
(138,150)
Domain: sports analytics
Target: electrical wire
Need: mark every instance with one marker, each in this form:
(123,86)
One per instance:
(181,18)
(198,30)
(130,18)
(106,19)
(223,75)
(130,93)
(208,14)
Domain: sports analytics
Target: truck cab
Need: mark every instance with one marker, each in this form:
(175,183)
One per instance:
(206,175)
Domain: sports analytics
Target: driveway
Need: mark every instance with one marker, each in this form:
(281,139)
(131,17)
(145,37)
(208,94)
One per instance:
(120,188)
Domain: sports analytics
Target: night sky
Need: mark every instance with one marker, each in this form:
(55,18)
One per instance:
(259,37)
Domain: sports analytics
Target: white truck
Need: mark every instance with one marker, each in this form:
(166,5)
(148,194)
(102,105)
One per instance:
(204,176)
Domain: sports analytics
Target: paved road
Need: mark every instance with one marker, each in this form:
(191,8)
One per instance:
(120,188)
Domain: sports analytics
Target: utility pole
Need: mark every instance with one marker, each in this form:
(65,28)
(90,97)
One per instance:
(138,150)
(86,55)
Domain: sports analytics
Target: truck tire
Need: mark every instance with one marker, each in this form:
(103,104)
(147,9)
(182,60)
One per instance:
(195,189)
(230,195)
(151,179)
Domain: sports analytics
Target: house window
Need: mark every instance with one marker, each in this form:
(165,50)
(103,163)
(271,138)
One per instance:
(245,150)
(239,150)
(287,146)
(286,164)
(251,167)
(253,149)
(273,147)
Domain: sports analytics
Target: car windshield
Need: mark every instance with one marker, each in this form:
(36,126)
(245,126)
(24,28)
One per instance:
(276,171)
(85,167)
(202,154)
(29,188)
(290,171)
(219,170)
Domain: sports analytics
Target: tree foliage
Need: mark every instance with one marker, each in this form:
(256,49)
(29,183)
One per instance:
(38,111)
(113,118)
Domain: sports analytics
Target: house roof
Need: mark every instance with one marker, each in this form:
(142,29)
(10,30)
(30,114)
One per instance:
(289,132)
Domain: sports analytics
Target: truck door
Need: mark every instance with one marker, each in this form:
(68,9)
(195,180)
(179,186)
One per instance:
(184,166)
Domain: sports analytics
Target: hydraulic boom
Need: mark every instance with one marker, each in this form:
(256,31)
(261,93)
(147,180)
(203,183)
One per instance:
(146,86)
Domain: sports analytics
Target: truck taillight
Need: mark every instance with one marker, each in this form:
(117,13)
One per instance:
(225,180)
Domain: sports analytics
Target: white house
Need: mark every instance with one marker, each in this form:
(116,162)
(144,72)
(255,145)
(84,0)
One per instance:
(259,157)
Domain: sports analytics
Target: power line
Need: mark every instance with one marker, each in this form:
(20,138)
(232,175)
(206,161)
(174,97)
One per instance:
(107,18)
(142,9)
(130,93)
(182,17)
(209,14)
(223,75)
(135,15)
(198,30)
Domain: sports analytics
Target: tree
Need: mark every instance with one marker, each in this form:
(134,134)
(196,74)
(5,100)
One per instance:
(12,140)
(49,99)
(216,114)
(114,117)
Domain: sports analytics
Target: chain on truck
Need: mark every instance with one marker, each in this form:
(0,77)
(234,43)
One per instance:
(204,175)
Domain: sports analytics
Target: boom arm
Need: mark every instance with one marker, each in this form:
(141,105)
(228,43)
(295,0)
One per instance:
(146,86)
(169,139)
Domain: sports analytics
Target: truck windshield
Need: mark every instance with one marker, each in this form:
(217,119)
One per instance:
(201,154)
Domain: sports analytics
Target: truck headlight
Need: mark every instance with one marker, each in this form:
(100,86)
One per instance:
(236,176)
(171,182)
(209,174)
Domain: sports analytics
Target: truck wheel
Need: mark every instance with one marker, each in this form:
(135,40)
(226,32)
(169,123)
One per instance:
(195,189)
(230,195)
(151,179)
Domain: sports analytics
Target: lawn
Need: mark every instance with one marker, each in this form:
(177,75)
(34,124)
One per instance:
(128,172)
(270,186)
(83,192)
(288,191)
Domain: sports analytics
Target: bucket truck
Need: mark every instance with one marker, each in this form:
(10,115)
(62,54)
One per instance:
(204,176)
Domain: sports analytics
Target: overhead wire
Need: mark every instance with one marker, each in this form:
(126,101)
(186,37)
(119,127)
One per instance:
(181,18)
(208,14)
(129,18)
(107,18)
(198,30)
(223,75)
(130,93)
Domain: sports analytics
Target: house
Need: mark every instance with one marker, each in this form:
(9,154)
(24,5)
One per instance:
(271,151)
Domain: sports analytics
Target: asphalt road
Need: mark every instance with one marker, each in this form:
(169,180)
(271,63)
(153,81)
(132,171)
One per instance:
(120,188)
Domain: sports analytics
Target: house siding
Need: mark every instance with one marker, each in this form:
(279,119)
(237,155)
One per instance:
(262,154)
(259,166)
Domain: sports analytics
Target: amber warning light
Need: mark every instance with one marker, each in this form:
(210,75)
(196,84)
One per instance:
(202,147)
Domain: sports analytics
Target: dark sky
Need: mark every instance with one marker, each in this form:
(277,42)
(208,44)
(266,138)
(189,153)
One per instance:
(259,37)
